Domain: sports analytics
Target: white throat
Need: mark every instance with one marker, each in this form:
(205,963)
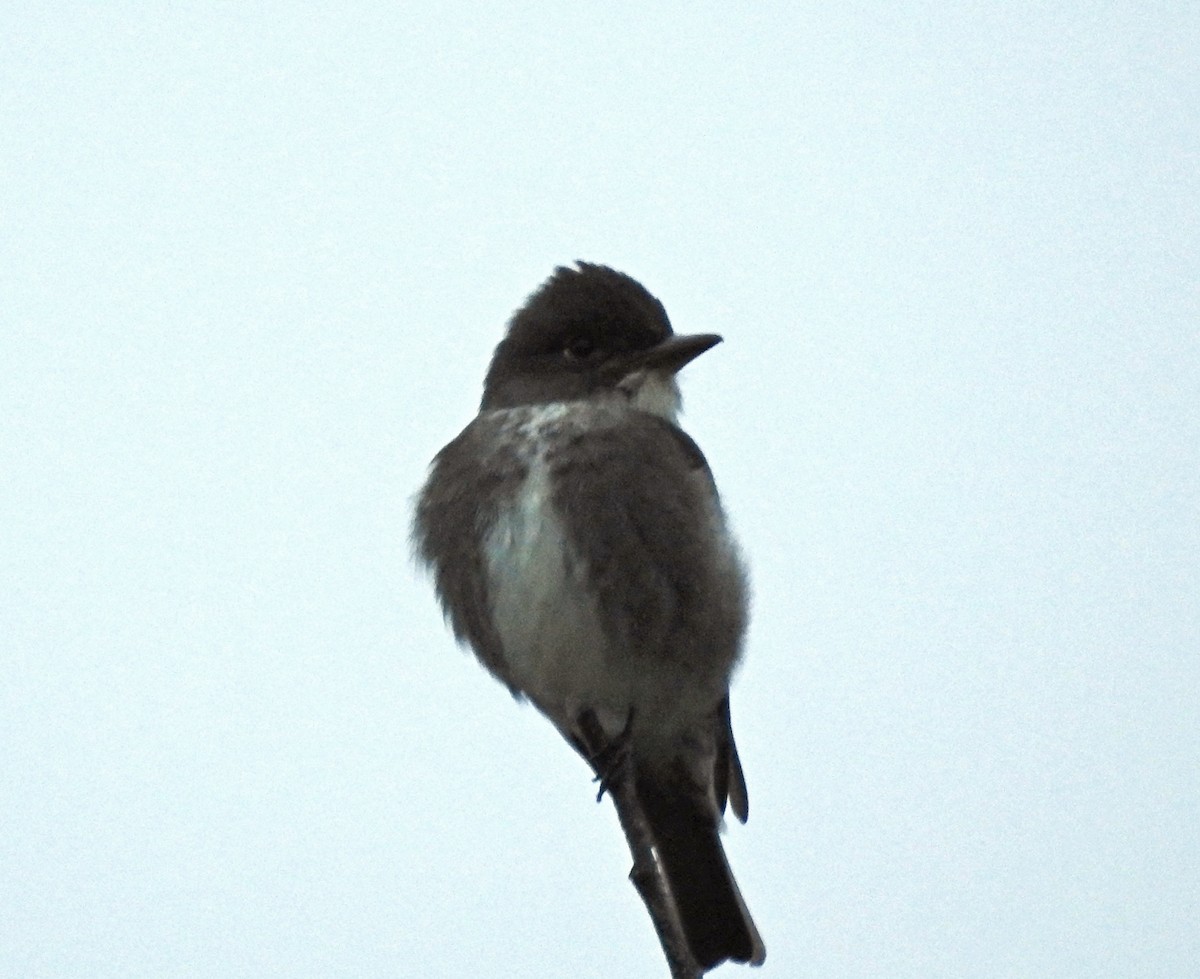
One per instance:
(654,391)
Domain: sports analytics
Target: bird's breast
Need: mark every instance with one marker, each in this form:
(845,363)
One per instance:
(543,609)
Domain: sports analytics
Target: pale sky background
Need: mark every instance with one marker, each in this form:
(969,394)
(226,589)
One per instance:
(253,261)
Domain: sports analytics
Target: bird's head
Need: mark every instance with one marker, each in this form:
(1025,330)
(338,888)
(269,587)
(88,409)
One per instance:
(591,332)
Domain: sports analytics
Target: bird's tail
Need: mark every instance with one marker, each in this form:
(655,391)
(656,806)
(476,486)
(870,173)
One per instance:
(687,842)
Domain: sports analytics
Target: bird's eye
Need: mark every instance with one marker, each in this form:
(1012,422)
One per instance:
(579,348)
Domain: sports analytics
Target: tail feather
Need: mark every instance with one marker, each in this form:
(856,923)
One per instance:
(688,845)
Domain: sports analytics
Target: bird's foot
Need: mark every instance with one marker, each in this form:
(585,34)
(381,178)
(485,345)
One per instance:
(609,756)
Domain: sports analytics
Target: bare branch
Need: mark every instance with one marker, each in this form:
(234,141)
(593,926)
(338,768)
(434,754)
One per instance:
(646,876)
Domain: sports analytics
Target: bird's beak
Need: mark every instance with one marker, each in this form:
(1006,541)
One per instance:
(672,355)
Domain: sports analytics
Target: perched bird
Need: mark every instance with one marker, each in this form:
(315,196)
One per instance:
(578,545)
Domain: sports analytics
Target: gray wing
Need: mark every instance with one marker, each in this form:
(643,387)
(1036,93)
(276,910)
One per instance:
(729,783)
(640,501)
(457,506)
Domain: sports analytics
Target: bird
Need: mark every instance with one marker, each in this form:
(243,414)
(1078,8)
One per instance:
(578,545)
